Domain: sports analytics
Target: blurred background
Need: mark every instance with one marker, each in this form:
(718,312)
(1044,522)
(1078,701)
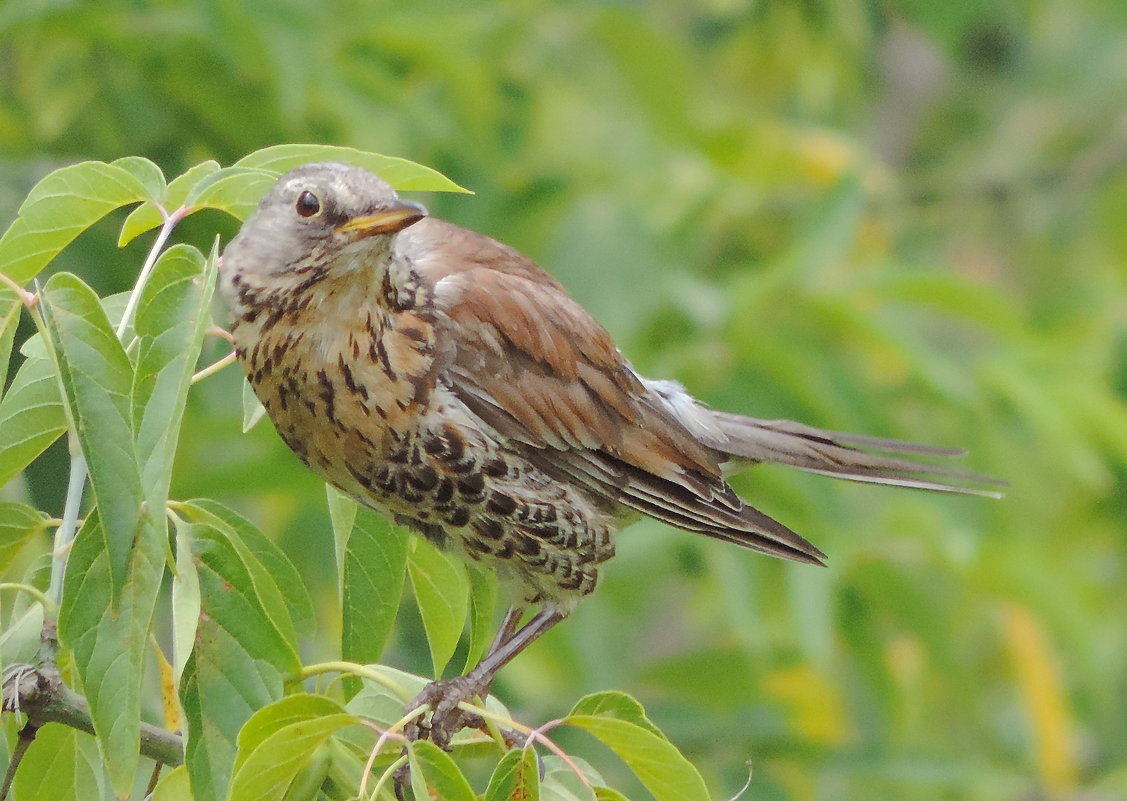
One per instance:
(903,218)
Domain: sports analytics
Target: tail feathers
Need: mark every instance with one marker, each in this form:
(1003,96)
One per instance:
(842,456)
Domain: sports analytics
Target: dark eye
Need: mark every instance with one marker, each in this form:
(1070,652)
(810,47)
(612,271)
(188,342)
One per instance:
(307,204)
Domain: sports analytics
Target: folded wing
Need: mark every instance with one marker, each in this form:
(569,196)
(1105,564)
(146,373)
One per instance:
(531,363)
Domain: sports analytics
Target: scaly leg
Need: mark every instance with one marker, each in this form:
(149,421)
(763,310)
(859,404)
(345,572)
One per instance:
(443,696)
(508,627)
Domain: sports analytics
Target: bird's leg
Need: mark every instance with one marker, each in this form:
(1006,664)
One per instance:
(432,692)
(443,696)
(508,627)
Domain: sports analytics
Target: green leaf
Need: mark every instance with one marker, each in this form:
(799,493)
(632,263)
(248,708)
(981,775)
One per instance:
(148,216)
(238,189)
(97,379)
(384,702)
(62,764)
(253,410)
(240,591)
(516,777)
(400,173)
(435,772)
(9,320)
(483,599)
(441,591)
(150,175)
(174,786)
(245,647)
(371,586)
(276,716)
(280,742)
(186,603)
(32,416)
(342,515)
(18,523)
(560,782)
(619,722)
(609,794)
(108,640)
(615,704)
(59,208)
(298,607)
(220,689)
(235,190)
(22,636)
(311,777)
(172,315)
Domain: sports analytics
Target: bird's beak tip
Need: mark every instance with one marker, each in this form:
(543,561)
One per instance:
(389,220)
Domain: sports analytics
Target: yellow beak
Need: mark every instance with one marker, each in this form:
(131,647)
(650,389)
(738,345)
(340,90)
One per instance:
(395,217)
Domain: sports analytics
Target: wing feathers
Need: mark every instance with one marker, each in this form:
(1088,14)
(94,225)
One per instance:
(561,378)
(530,362)
(735,521)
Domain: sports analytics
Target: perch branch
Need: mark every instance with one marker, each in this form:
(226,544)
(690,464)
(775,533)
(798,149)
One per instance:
(39,693)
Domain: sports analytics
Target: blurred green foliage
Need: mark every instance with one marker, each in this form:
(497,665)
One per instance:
(903,218)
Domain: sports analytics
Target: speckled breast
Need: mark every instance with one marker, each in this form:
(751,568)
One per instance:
(362,407)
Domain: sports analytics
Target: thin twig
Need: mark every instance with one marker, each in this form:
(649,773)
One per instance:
(214,367)
(64,534)
(170,221)
(361,671)
(28,299)
(222,333)
(541,731)
(532,734)
(34,592)
(152,781)
(390,733)
(392,769)
(747,784)
(26,738)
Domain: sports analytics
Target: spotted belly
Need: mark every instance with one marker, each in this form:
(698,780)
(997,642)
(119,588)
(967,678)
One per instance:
(469,496)
(428,468)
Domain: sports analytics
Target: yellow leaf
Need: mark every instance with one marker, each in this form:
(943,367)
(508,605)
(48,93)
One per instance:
(1038,680)
(169,700)
(814,704)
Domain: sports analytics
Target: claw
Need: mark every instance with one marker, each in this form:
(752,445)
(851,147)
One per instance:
(446,718)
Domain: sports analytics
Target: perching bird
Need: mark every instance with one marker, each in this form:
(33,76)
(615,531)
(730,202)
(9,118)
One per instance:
(444,379)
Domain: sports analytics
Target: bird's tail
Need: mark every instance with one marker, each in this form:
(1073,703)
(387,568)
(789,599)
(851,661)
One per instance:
(850,456)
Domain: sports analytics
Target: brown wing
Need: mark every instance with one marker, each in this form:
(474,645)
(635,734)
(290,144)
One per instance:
(533,364)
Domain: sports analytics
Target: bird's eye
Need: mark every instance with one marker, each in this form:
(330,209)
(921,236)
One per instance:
(307,204)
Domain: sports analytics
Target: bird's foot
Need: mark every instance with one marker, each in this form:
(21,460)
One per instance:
(446,717)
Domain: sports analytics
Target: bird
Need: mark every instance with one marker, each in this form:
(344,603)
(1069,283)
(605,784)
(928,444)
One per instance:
(442,378)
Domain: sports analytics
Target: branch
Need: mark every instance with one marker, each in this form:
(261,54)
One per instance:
(39,693)
(26,738)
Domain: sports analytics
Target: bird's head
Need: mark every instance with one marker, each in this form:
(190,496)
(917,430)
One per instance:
(320,219)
